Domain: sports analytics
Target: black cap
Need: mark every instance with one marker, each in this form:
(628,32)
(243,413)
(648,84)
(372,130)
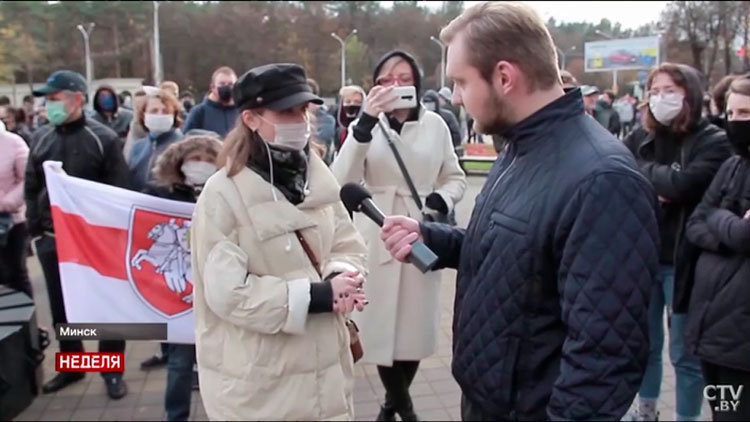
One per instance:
(62,80)
(275,86)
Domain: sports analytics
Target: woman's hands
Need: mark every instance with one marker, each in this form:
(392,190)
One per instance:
(348,293)
(379,100)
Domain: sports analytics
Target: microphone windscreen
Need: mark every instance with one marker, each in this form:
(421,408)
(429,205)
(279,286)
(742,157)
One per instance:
(352,195)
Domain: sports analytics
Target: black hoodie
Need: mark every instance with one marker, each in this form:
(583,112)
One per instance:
(432,97)
(120,119)
(680,167)
(362,131)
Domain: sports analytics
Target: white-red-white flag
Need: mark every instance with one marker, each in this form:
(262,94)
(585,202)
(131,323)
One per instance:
(124,256)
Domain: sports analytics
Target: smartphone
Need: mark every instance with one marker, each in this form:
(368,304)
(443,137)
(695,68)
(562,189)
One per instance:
(406,97)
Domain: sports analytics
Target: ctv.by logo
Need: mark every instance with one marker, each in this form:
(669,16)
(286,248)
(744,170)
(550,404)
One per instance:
(725,398)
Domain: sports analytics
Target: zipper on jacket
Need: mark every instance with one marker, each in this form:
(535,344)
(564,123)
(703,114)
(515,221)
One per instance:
(489,196)
(681,229)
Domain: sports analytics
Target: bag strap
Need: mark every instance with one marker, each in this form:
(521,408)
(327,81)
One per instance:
(401,165)
(309,252)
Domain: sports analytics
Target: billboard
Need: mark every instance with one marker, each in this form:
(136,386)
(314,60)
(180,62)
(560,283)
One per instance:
(629,53)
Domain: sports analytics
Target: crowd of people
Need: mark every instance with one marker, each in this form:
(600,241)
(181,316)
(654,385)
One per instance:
(599,214)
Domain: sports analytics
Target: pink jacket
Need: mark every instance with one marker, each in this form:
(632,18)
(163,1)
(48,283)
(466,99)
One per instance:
(13,156)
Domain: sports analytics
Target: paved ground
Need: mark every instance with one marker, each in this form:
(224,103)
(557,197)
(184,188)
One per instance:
(435,393)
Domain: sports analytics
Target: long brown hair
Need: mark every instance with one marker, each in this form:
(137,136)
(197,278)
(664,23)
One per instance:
(238,147)
(683,121)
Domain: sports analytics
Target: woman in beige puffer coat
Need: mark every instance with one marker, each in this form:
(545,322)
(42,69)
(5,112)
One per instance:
(271,335)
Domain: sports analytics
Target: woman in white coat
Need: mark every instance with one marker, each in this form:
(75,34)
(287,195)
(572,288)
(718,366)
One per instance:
(277,263)
(400,326)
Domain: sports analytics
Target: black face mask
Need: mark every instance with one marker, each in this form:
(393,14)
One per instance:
(739,135)
(351,111)
(225,93)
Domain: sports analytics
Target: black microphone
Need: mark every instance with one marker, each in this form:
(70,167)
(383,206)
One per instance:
(356,198)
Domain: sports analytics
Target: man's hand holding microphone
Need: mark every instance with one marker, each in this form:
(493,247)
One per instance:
(401,234)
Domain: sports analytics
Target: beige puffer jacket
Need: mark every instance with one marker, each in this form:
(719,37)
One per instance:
(260,355)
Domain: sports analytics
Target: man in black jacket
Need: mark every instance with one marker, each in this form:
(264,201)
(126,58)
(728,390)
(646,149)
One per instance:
(89,150)
(559,257)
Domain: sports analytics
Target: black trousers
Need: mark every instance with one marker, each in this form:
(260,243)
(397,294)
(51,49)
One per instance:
(717,375)
(13,271)
(397,379)
(47,253)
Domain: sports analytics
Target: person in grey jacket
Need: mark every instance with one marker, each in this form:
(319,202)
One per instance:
(160,115)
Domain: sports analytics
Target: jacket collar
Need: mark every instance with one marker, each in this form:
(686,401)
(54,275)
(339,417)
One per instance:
(166,136)
(73,126)
(323,187)
(686,141)
(211,103)
(528,132)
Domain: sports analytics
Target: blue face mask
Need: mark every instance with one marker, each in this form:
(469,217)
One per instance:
(107,102)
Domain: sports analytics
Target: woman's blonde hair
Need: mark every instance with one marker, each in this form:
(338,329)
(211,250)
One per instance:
(168,100)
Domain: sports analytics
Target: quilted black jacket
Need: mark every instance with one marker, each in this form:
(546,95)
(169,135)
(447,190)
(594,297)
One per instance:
(554,273)
(718,324)
(86,148)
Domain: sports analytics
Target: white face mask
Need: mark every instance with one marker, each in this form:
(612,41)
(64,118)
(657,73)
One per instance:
(158,123)
(665,107)
(290,136)
(430,106)
(197,172)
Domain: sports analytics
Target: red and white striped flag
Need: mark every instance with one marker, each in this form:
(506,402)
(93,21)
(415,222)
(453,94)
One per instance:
(124,256)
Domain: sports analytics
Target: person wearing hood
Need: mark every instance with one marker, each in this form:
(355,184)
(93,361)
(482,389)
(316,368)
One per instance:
(180,173)
(605,114)
(680,153)
(396,334)
(718,324)
(351,101)
(277,264)
(218,112)
(109,113)
(160,115)
(431,101)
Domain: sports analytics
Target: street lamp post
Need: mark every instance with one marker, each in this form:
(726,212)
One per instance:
(343,53)
(86,32)
(157,47)
(563,55)
(442,59)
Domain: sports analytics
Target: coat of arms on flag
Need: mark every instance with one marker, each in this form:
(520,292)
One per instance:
(158,261)
(124,256)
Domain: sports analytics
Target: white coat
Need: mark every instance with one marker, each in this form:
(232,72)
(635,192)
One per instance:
(260,355)
(402,320)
